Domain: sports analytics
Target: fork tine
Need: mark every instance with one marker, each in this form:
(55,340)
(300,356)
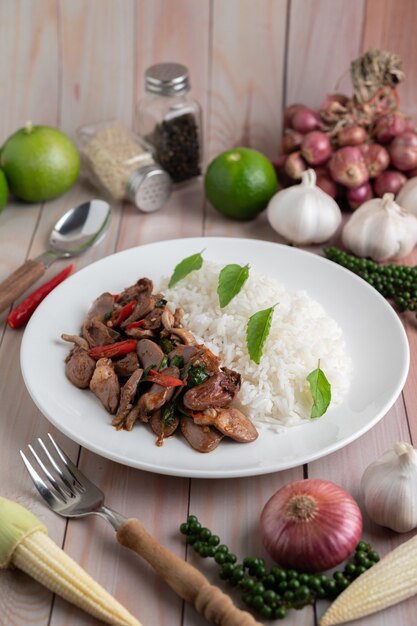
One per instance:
(46,492)
(58,469)
(82,480)
(64,494)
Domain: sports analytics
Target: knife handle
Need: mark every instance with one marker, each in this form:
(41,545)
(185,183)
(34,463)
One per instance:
(17,283)
(183,578)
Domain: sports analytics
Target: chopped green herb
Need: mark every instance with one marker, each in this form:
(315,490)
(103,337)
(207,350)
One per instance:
(320,390)
(197,374)
(177,361)
(231,280)
(166,344)
(168,415)
(257,331)
(164,362)
(107,316)
(185,267)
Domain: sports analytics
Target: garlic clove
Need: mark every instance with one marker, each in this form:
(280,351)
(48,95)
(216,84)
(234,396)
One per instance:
(389,487)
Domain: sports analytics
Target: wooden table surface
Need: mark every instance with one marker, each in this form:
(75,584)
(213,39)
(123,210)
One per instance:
(67,63)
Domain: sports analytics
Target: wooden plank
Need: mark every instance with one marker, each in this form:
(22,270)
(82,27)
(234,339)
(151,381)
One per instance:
(324,36)
(388,27)
(247,75)
(97,61)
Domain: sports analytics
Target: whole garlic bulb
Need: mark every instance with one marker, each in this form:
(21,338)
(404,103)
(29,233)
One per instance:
(407,196)
(304,213)
(389,486)
(380,229)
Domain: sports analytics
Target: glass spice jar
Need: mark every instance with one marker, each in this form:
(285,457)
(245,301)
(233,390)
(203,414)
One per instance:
(169,119)
(122,166)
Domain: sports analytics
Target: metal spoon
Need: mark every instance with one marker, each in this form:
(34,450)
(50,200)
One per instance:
(77,230)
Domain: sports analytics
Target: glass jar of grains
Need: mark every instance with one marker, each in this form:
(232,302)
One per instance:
(169,119)
(122,166)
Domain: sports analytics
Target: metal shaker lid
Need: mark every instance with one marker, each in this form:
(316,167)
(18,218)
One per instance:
(167,78)
(149,188)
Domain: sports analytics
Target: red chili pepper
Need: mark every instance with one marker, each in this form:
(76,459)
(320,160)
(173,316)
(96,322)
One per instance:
(163,379)
(119,316)
(137,324)
(22,313)
(120,348)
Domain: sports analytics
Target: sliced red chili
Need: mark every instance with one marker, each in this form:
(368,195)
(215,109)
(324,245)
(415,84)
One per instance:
(120,348)
(119,316)
(137,324)
(163,379)
(22,313)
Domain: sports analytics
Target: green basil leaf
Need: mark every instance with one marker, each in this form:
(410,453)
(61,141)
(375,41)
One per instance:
(185,267)
(257,331)
(231,280)
(320,390)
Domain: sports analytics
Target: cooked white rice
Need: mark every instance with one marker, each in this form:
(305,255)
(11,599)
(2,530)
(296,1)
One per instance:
(275,392)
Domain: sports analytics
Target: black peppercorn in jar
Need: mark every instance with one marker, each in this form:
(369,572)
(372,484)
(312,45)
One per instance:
(169,120)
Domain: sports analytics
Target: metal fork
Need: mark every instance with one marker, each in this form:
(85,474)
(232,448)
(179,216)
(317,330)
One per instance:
(70,494)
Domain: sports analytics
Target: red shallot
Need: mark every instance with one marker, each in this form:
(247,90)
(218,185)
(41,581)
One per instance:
(325,183)
(376,158)
(351,136)
(295,165)
(289,113)
(310,525)
(347,166)
(403,151)
(316,147)
(389,182)
(305,120)
(359,195)
(291,141)
(389,126)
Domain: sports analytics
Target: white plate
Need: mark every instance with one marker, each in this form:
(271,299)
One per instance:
(375,338)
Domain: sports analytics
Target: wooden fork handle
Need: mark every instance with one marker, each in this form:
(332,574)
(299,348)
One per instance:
(19,281)
(183,578)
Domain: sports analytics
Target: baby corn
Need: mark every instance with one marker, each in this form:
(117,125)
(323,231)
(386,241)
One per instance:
(391,580)
(24,543)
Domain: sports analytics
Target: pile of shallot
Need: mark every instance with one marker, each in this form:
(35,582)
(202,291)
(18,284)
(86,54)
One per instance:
(356,163)
(360,147)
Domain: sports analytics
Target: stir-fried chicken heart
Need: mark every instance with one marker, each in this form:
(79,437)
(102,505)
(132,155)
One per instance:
(101,305)
(79,367)
(201,438)
(105,385)
(156,397)
(127,398)
(163,428)
(98,334)
(126,365)
(229,421)
(149,353)
(217,391)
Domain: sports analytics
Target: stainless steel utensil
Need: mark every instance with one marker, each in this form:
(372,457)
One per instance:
(70,494)
(77,230)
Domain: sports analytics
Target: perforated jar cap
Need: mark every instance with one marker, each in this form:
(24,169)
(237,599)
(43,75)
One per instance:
(167,78)
(149,188)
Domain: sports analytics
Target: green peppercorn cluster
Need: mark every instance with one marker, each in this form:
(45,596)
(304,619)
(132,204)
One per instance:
(395,282)
(272,592)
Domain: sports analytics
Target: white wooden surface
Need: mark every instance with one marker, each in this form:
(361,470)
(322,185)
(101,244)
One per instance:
(70,62)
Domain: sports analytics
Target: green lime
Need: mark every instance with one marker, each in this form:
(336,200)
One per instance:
(40,163)
(4,191)
(240,182)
